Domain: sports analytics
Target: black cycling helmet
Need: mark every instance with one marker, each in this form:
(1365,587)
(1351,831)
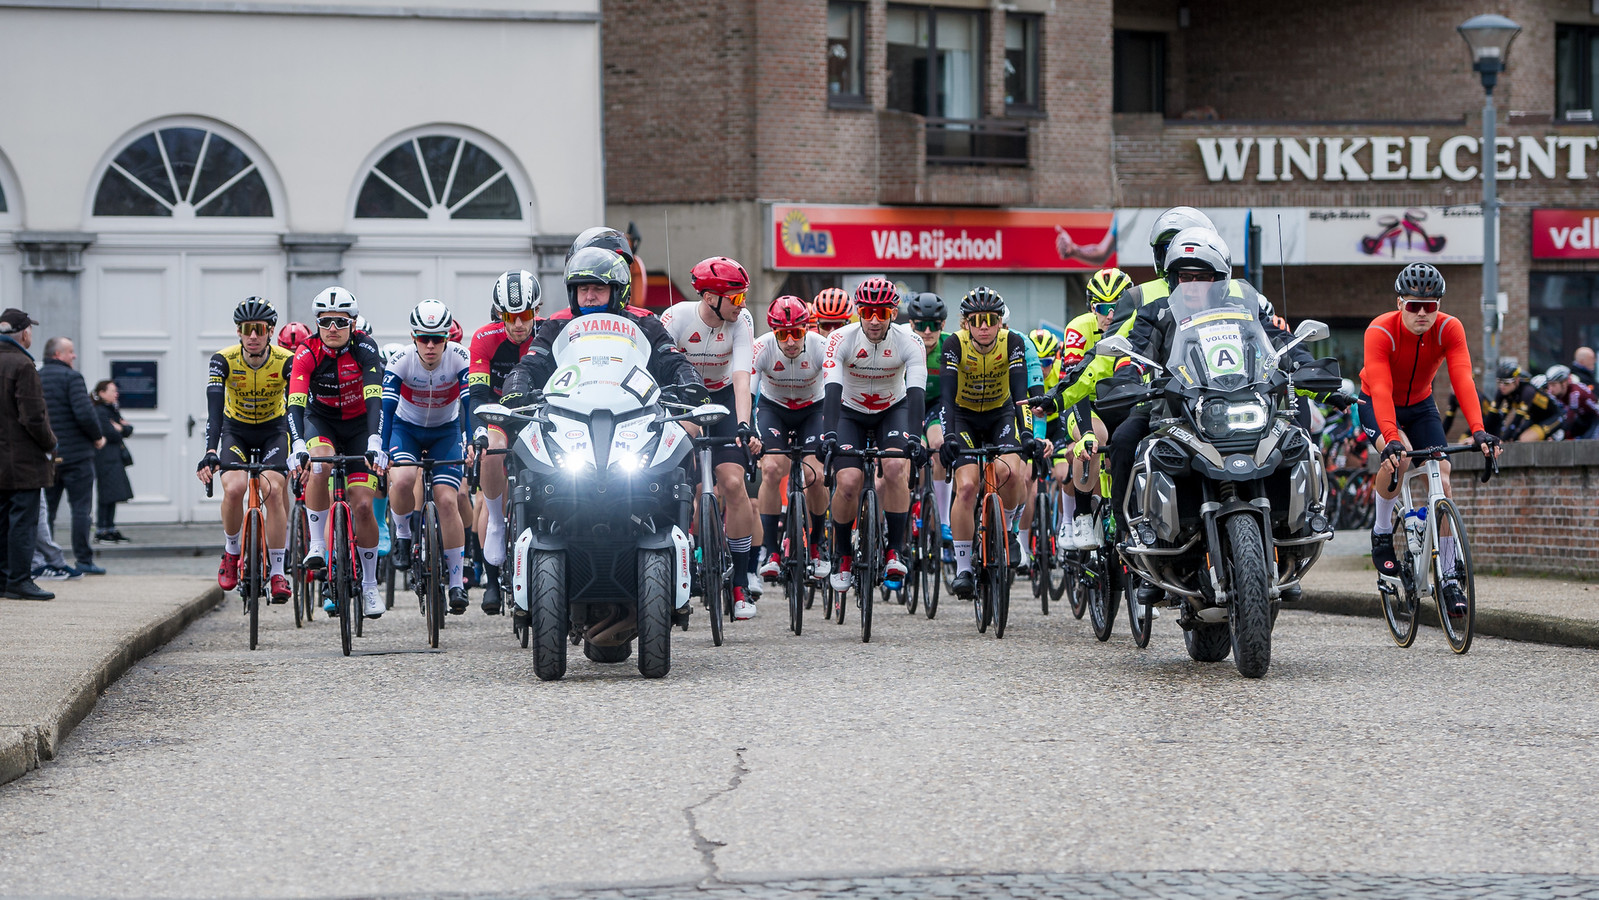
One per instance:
(254,309)
(1420,280)
(595,265)
(926,305)
(1508,371)
(606,238)
(982,299)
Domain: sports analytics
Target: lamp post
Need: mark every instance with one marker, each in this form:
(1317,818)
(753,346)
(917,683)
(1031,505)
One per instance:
(1489,38)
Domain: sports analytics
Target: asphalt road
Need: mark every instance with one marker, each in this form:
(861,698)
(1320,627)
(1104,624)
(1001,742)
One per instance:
(295,772)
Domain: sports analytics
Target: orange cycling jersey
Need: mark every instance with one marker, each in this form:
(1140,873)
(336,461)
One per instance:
(1400,367)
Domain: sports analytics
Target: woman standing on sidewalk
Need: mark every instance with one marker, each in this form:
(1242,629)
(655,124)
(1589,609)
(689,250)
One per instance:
(111,464)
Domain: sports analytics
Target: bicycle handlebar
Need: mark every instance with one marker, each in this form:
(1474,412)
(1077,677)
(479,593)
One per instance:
(425,463)
(1489,469)
(243,467)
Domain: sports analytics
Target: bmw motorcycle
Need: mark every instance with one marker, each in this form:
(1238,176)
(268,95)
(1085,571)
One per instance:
(1225,509)
(599,503)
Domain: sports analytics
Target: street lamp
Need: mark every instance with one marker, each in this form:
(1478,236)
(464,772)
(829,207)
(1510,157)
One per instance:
(1489,38)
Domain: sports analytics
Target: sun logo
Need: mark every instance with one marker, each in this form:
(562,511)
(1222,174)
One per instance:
(800,240)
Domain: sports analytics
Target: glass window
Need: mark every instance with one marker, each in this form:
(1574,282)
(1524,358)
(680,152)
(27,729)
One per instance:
(951,85)
(846,50)
(1576,76)
(1140,62)
(1021,61)
(1562,316)
(438,177)
(3,199)
(909,31)
(193,170)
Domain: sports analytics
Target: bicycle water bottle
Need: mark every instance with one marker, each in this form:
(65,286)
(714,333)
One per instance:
(1415,529)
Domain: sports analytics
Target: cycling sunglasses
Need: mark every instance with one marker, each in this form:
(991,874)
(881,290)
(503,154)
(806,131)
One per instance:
(877,313)
(927,325)
(1421,306)
(430,339)
(334,322)
(254,329)
(525,315)
(1104,309)
(828,326)
(982,320)
(789,334)
(735,299)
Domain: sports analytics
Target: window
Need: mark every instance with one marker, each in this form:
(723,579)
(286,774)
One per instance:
(182,173)
(1562,316)
(1576,46)
(935,62)
(1021,62)
(1140,61)
(846,51)
(438,177)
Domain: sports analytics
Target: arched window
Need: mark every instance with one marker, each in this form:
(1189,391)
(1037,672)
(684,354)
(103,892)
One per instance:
(182,172)
(438,177)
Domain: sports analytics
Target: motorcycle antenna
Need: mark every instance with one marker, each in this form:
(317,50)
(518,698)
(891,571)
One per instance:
(671,285)
(1282,265)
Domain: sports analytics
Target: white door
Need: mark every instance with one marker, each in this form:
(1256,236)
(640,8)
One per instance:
(389,284)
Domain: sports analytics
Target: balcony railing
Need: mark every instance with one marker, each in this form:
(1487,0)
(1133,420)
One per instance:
(976,142)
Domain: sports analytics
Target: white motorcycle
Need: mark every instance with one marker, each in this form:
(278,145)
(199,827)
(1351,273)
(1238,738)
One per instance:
(600,502)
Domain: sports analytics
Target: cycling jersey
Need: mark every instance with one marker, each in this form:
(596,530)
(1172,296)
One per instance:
(1400,366)
(715,351)
(793,383)
(1527,408)
(246,395)
(935,390)
(985,382)
(1582,409)
(1082,333)
(336,385)
(872,377)
(425,398)
(493,354)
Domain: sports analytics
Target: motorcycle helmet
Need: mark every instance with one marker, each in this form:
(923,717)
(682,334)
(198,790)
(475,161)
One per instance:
(606,238)
(516,292)
(254,309)
(1168,224)
(336,300)
(595,265)
(1420,280)
(1198,249)
(787,311)
(431,317)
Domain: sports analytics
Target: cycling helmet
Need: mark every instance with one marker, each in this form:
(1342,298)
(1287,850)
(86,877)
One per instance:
(336,300)
(606,238)
(292,335)
(1509,371)
(1107,285)
(596,265)
(254,309)
(926,306)
(833,303)
(720,275)
(1198,249)
(456,332)
(393,351)
(1004,316)
(1539,381)
(982,299)
(787,311)
(516,292)
(1419,280)
(362,325)
(1166,226)
(1045,342)
(877,291)
(1557,374)
(431,317)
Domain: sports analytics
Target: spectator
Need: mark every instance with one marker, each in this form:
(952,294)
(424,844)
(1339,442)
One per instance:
(49,563)
(1582,365)
(1582,406)
(78,435)
(25,444)
(110,464)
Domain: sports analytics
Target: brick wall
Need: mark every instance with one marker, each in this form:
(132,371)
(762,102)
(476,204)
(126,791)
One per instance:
(1538,514)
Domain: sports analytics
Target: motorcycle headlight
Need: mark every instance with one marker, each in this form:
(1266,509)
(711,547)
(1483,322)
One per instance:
(574,463)
(628,461)
(1218,418)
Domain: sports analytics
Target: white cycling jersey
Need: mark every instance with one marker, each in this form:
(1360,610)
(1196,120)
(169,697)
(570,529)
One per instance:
(875,376)
(794,383)
(427,399)
(716,353)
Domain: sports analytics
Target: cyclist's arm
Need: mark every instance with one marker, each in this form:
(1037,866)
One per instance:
(743,363)
(915,379)
(1020,379)
(480,377)
(216,391)
(1377,373)
(299,393)
(950,378)
(391,404)
(1457,355)
(1035,369)
(371,362)
(832,382)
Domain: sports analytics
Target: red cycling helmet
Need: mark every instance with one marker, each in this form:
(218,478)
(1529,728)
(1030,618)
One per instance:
(833,304)
(877,291)
(292,335)
(787,311)
(456,332)
(720,275)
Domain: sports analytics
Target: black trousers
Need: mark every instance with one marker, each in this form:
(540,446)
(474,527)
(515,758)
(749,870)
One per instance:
(19,529)
(76,479)
(105,516)
(1123,453)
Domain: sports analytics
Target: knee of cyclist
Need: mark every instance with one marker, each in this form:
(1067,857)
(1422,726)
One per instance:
(895,469)
(849,481)
(772,468)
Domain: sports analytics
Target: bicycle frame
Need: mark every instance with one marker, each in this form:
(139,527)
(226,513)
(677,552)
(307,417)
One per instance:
(1430,470)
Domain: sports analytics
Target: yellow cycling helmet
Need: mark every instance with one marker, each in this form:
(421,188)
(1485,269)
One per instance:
(1107,285)
(1045,342)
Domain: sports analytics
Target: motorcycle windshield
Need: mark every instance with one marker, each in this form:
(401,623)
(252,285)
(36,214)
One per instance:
(1219,343)
(602,362)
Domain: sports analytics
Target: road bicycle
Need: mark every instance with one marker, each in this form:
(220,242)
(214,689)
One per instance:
(428,574)
(254,562)
(926,545)
(1093,576)
(305,597)
(871,529)
(1422,570)
(795,544)
(991,570)
(342,574)
(713,561)
(1045,532)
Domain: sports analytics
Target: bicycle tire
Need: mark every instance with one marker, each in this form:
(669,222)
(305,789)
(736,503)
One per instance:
(797,559)
(1458,629)
(1400,606)
(1095,580)
(981,607)
(1004,576)
(432,572)
(868,557)
(932,541)
(1042,541)
(339,577)
(1058,573)
(712,569)
(251,582)
(291,565)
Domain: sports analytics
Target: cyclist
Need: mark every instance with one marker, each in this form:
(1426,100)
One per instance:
(717,334)
(1521,411)
(292,335)
(927,314)
(1404,349)
(424,395)
(788,366)
(246,399)
(335,407)
(1049,427)
(496,347)
(984,369)
(831,311)
(876,373)
(1582,407)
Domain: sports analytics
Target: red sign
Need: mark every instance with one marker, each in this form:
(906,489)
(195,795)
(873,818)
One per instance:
(917,239)
(1565,234)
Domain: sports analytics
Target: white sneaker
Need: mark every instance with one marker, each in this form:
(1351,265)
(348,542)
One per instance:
(1086,532)
(742,610)
(373,600)
(772,567)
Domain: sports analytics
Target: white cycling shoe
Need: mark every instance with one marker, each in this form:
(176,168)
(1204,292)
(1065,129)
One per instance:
(772,568)
(372,599)
(1086,533)
(894,569)
(742,610)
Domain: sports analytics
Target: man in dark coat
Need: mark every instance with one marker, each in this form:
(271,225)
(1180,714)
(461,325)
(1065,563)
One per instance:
(25,444)
(78,435)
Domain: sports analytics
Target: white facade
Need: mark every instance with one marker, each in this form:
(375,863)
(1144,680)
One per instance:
(123,134)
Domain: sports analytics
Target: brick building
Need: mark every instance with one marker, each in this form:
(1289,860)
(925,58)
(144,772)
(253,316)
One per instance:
(1349,134)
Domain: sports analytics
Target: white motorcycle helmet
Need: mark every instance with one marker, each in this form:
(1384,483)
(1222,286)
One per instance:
(1168,224)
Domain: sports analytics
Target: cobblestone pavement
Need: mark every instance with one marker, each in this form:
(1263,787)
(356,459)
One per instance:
(211,771)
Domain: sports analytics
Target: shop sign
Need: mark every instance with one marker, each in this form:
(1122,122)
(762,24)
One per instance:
(1565,234)
(900,239)
(1457,158)
(1393,235)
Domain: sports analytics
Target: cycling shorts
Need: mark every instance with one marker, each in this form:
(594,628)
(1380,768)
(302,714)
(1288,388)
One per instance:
(1057,434)
(347,437)
(775,421)
(410,443)
(983,429)
(891,428)
(727,427)
(270,441)
(1420,422)
(935,414)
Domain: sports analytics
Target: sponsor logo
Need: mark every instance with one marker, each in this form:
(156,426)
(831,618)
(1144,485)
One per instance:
(875,402)
(694,338)
(800,239)
(861,353)
(720,336)
(627,435)
(778,366)
(574,434)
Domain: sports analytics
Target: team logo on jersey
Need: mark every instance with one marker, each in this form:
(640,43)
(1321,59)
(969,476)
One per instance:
(720,336)
(875,402)
(778,366)
(861,353)
(694,338)
(272,374)
(887,352)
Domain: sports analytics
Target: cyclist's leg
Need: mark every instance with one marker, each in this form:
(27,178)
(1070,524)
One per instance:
(318,443)
(935,439)
(404,446)
(444,442)
(491,531)
(1392,472)
(848,479)
(774,466)
(968,474)
(893,433)
(810,431)
(233,449)
(1123,450)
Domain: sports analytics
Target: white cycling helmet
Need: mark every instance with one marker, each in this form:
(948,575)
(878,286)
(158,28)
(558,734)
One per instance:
(362,325)
(336,300)
(393,351)
(1556,374)
(1346,387)
(431,317)
(516,292)
(1539,381)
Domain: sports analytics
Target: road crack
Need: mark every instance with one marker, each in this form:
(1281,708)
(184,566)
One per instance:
(707,848)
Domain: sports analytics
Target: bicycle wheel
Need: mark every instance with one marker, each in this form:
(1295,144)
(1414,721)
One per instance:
(432,572)
(1400,606)
(1042,541)
(797,560)
(712,566)
(929,552)
(1058,575)
(1094,581)
(250,584)
(1000,571)
(868,557)
(291,567)
(1457,629)
(340,576)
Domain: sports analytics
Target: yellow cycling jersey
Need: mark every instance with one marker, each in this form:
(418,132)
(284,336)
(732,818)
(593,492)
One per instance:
(252,396)
(982,379)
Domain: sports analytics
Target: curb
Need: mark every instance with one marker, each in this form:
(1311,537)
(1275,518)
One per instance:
(1500,623)
(123,551)
(28,745)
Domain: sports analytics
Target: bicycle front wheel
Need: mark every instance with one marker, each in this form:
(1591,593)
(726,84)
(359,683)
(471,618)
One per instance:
(433,572)
(1041,538)
(1457,622)
(797,559)
(713,567)
(999,568)
(291,567)
(930,547)
(868,558)
(340,576)
(254,549)
(1400,607)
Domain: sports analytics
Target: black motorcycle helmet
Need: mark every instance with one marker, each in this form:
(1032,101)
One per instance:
(595,265)
(606,238)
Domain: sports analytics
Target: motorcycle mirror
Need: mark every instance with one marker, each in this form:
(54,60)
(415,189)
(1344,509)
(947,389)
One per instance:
(1117,345)
(499,416)
(1311,331)
(709,414)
